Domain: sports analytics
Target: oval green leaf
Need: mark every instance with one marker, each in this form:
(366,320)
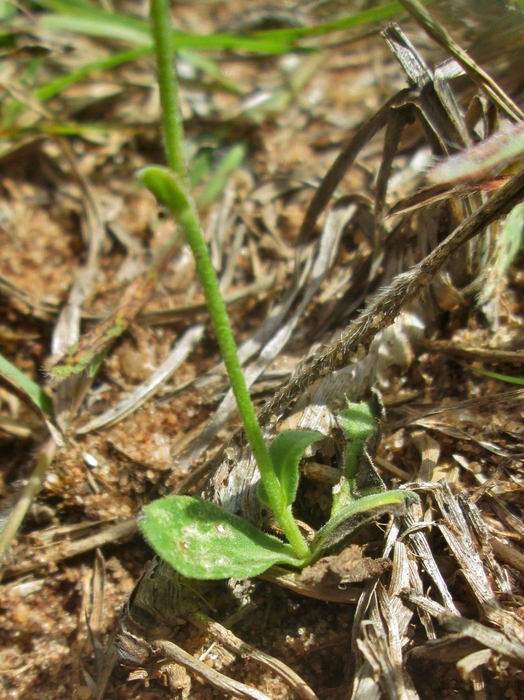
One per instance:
(202,541)
(286,451)
(361,512)
(359,424)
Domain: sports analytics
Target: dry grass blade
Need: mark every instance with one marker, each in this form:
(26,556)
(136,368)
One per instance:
(381,312)
(344,160)
(105,657)
(424,553)
(70,392)
(442,119)
(338,593)
(217,680)
(231,641)
(479,76)
(480,530)
(491,355)
(458,536)
(456,531)
(67,548)
(95,343)
(462,627)
(431,195)
(508,554)
(498,642)
(140,395)
(34,483)
(164,317)
(382,652)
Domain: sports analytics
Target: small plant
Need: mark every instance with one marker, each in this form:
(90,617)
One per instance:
(198,538)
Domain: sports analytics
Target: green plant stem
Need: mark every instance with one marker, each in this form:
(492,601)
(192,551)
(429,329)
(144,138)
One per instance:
(168,85)
(187,217)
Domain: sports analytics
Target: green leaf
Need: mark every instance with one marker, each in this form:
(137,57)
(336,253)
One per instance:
(361,512)
(358,423)
(200,167)
(25,386)
(210,68)
(376,14)
(495,375)
(230,162)
(45,92)
(86,18)
(286,450)
(202,541)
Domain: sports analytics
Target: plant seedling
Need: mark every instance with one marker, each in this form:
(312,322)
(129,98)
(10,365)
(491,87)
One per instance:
(198,538)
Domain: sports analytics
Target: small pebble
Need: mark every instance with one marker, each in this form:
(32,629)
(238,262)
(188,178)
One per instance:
(132,365)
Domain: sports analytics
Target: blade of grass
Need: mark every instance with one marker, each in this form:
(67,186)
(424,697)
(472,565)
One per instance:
(486,158)
(45,92)
(376,14)
(211,69)
(495,375)
(25,386)
(86,19)
(200,167)
(437,32)
(89,351)
(232,160)
(509,242)
(204,42)
(67,14)
(79,16)
(8,532)
(91,131)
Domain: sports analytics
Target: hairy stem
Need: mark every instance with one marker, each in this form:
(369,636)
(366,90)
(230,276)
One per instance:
(184,210)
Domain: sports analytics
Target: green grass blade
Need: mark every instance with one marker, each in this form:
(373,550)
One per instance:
(229,163)
(200,166)
(45,92)
(88,130)
(12,524)
(211,69)
(495,375)
(376,14)
(509,242)
(82,17)
(94,26)
(25,386)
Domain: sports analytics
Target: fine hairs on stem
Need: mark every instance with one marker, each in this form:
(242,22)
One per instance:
(183,209)
(196,537)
